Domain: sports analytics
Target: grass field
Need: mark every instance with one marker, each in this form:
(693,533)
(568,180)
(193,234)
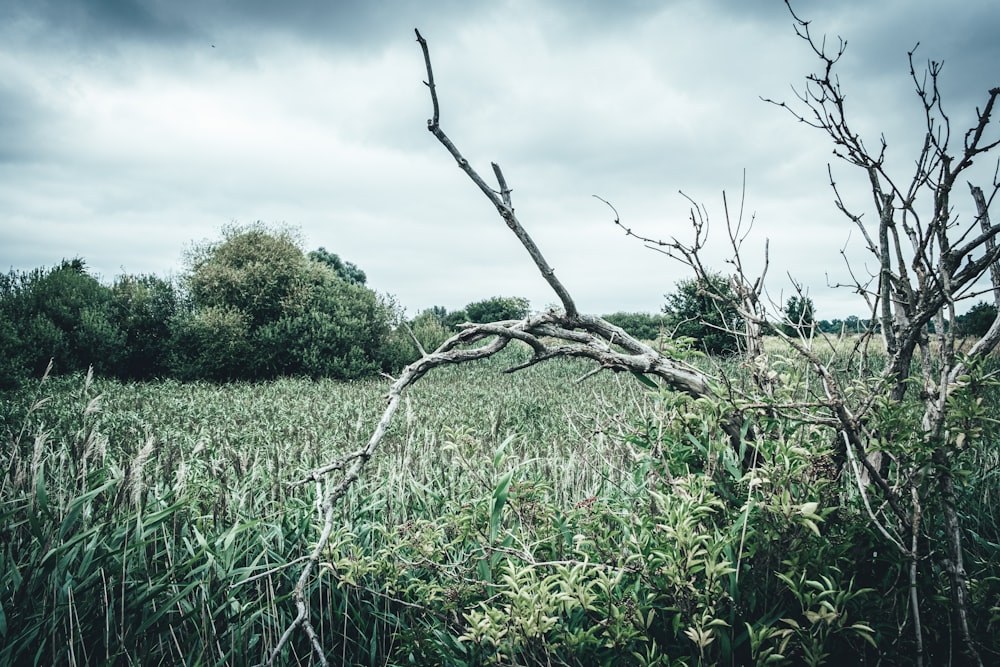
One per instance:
(186,488)
(525,518)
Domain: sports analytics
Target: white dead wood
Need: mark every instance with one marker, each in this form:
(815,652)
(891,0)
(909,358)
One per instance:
(550,335)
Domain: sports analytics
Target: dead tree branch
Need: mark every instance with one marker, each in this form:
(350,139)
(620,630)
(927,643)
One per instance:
(550,335)
(501,200)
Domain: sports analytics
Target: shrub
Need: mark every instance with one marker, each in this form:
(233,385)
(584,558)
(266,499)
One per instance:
(640,325)
(702,310)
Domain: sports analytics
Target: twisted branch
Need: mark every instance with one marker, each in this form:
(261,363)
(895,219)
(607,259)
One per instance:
(550,335)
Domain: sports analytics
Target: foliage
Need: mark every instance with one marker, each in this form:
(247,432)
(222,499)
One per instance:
(497,309)
(456,317)
(977,321)
(511,527)
(143,307)
(61,314)
(399,348)
(702,309)
(640,325)
(253,270)
(346,270)
(799,315)
(339,331)
(212,343)
(260,309)
(429,329)
(250,306)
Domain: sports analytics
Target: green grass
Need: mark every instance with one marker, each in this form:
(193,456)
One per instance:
(524,517)
(129,510)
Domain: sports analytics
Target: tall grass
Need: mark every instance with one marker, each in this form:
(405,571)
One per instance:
(155,522)
(526,518)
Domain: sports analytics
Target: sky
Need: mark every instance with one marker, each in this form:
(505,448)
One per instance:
(132,129)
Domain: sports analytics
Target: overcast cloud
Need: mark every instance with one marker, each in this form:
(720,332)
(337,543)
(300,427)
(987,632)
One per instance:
(129,129)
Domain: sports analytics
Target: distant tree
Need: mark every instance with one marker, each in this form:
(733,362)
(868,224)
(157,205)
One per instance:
(498,308)
(21,358)
(276,312)
(346,270)
(437,312)
(451,320)
(800,315)
(211,343)
(254,270)
(143,307)
(640,325)
(977,321)
(61,314)
(427,327)
(339,332)
(833,326)
(703,310)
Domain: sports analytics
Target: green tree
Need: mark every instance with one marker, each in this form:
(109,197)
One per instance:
(346,270)
(278,311)
(211,343)
(833,326)
(143,307)
(498,308)
(437,312)
(977,321)
(800,315)
(253,269)
(338,330)
(427,327)
(640,325)
(451,320)
(703,310)
(853,324)
(61,314)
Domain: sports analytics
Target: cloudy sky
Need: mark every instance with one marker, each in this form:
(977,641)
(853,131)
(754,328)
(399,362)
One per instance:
(131,128)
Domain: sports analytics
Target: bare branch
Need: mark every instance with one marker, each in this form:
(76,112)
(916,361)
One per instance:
(501,202)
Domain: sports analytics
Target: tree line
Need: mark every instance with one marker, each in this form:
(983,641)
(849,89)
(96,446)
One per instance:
(253,305)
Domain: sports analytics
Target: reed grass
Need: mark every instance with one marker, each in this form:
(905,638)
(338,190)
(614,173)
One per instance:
(148,523)
(159,523)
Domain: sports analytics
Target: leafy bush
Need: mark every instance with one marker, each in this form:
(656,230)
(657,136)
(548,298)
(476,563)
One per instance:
(211,343)
(640,325)
(498,308)
(252,269)
(346,270)
(976,322)
(339,332)
(800,315)
(61,314)
(261,309)
(143,307)
(703,311)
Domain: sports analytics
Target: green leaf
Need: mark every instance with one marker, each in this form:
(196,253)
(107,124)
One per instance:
(645,380)
(809,523)
(41,494)
(498,455)
(499,500)
(70,521)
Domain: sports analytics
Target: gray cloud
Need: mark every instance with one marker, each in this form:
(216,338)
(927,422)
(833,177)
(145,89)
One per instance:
(125,135)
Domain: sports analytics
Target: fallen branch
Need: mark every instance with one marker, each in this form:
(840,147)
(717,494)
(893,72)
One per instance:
(550,335)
